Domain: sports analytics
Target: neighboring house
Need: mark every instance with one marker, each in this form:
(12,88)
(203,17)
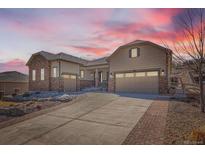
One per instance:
(13,82)
(139,66)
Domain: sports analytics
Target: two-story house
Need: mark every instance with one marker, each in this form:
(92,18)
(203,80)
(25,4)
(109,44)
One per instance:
(139,66)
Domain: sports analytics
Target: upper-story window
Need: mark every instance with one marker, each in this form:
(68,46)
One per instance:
(54,72)
(134,52)
(42,74)
(81,74)
(34,75)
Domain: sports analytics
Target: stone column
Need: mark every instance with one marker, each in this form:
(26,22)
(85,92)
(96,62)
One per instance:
(96,77)
(111,83)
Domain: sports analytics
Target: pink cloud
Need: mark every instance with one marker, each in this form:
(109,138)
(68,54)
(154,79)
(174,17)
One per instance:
(98,51)
(14,65)
(38,28)
(158,17)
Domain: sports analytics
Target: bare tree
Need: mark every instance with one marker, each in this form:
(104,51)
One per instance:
(190,49)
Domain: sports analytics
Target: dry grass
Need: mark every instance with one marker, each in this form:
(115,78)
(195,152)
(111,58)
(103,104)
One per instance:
(182,119)
(7,104)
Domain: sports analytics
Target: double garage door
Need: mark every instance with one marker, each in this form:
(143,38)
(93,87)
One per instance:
(69,82)
(137,82)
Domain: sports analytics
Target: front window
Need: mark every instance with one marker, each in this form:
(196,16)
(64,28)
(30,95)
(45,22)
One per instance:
(134,52)
(33,75)
(54,72)
(81,74)
(42,74)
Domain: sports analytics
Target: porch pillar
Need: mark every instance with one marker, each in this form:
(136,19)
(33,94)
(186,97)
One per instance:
(96,77)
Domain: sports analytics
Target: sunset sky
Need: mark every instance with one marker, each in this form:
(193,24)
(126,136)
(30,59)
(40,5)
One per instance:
(85,33)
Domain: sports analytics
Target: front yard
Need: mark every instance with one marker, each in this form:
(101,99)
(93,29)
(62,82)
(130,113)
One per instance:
(185,124)
(20,105)
(104,118)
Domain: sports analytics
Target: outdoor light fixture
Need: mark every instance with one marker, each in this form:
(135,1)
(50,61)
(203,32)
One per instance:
(162,72)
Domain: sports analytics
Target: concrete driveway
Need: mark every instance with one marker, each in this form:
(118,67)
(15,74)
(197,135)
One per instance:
(95,118)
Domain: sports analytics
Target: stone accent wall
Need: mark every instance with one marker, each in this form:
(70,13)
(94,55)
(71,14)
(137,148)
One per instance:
(86,83)
(163,85)
(78,82)
(37,63)
(9,87)
(57,84)
(111,85)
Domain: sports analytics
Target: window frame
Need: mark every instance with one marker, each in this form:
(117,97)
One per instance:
(140,74)
(137,52)
(129,75)
(55,72)
(82,74)
(33,75)
(42,74)
(119,75)
(152,74)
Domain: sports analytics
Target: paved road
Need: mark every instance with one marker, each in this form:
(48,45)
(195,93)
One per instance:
(96,118)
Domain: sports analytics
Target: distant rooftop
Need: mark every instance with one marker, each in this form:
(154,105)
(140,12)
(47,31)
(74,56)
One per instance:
(13,76)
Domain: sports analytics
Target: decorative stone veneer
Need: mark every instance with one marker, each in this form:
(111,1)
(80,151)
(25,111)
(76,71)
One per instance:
(163,85)
(36,64)
(111,85)
(78,84)
(57,84)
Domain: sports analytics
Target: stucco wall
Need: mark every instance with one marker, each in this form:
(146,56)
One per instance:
(9,87)
(65,66)
(69,67)
(150,57)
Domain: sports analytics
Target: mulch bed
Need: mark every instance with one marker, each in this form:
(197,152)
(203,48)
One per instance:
(29,107)
(182,118)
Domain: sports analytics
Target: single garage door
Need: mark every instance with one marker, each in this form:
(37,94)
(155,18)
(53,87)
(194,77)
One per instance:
(138,82)
(69,83)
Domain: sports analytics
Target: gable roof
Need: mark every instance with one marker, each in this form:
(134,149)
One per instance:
(60,56)
(67,57)
(100,61)
(63,56)
(13,76)
(140,42)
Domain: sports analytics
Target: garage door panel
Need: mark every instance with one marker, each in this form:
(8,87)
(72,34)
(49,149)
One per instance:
(138,84)
(70,83)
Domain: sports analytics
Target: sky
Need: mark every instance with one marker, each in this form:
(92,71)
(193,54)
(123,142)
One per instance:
(85,33)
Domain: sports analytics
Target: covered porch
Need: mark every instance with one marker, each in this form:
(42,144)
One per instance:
(94,77)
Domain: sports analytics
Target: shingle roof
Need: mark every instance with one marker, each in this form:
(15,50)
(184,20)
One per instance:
(146,42)
(13,76)
(63,56)
(137,42)
(71,58)
(47,55)
(99,61)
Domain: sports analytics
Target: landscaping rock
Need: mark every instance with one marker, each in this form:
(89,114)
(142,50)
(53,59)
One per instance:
(64,98)
(13,112)
(41,96)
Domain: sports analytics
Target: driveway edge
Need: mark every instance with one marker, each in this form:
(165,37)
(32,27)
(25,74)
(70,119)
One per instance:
(150,128)
(37,113)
